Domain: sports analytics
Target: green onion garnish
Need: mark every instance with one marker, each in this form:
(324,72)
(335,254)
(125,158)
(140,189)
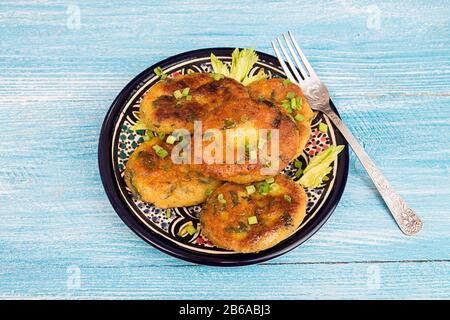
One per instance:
(269,135)
(160,73)
(270,180)
(177,94)
(264,188)
(221,199)
(161,152)
(274,186)
(171,139)
(293,103)
(185,92)
(323,127)
(188,97)
(208,192)
(290,95)
(250,189)
(287,198)
(286,82)
(299,102)
(252,220)
(300,117)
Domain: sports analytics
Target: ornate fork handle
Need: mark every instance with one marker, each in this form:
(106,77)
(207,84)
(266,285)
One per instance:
(405,217)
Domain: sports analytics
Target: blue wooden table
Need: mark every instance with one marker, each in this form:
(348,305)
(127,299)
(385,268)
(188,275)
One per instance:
(62,63)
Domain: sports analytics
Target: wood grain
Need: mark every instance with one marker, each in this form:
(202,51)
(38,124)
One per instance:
(391,85)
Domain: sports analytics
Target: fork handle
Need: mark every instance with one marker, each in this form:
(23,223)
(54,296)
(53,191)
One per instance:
(405,217)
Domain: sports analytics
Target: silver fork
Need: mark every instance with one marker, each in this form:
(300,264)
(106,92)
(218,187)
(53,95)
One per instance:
(302,74)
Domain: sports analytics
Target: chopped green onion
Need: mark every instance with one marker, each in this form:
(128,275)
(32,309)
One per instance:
(161,152)
(299,102)
(221,199)
(297,163)
(185,92)
(171,139)
(252,220)
(189,228)
(250,189)
(161,135)
(177,94)
(286,82)
(264,188)
(269,135)
(287,198)
(148,135)
(188,97)
(323,127)
(208,192)
(160,73)
(290,95)
(299,117)
(270,180)
(274,186)
(293,103)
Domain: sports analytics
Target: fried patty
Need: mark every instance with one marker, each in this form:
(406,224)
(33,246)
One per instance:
(165,184)
(161,111)
(235,220)
(247,115)
(277,91)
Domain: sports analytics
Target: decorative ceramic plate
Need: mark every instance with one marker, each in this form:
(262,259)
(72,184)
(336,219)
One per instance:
(160,227)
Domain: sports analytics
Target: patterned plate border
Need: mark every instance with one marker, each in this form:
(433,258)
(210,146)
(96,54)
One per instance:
(127,207)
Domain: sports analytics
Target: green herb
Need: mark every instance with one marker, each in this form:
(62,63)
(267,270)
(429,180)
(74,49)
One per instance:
(161,135)
(252,220)
(242,62)
(160,73)
(161,152)
(263,188)
(293,103)
(171,139)
(139,125)
(185,92)
(274,186)
(299,117)
(221,199)
(290,95)
(287,198)
(319,167)
(188,228)
(323,127)
(269,135)
(270,180)
(177,94)
(188,97)
(250,189)
(209,192)
(148,135)
(286,82)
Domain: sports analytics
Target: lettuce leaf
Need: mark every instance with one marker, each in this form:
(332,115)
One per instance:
(242,62)
(319,167)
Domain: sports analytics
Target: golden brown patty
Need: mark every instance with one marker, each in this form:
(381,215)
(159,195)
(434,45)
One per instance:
(231,225)
(276,91)
(162,112)
(247,114)
(161,182)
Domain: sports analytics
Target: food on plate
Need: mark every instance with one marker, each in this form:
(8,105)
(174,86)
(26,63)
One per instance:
(319,166)
(251,218)
(249,116)
(168,105)
(248,205)
(151,175)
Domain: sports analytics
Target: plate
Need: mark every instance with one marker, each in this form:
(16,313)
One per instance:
(160,227)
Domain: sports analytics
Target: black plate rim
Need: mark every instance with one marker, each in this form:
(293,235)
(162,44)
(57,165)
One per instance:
(168,247)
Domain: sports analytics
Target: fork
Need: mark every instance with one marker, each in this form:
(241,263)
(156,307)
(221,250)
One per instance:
(301,73)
